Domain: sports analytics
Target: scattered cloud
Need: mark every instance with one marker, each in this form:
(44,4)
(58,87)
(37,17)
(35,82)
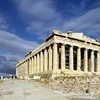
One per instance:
(43,17)
(7,63)
(88,23)
(14,44)
(12,49)
(6,66)
(39,9)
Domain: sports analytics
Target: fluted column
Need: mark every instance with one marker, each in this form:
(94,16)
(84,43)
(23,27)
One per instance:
(63,57)
(55,57)
(17,71)
(78,59)
(50,58)
(71,59)
(92,61)
(45,59)
(41,60)
(26,67)
(34,63)
(85,60)
(29,66)
(38,62)
(98,62)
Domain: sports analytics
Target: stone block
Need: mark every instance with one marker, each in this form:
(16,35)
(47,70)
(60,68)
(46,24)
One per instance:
(36,77)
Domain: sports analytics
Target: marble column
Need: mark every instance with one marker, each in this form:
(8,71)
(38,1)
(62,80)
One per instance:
(26,65)
(38,62)
(55,57)
(85,60)
(92,61)
(50,58)
(17,71)
(45,59)
(34,63)
(41,60)
(24,68)
(71,59)
(78,59)
(98,62)
(29,66)
(63,57)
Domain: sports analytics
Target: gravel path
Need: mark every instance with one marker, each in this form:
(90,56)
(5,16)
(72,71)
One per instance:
(26,90)
(29,90)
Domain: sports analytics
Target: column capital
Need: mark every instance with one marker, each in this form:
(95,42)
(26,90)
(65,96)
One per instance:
(71,45)
(78,47)
(92,50)
(54,42)
(85,48)
(63,43)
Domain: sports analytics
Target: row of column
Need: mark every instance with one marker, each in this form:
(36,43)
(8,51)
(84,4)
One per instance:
(85,67)
(47,59)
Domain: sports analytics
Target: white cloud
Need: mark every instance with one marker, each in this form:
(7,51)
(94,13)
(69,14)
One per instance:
(88,23)
(14,44)
(42,18)
(89,19)
(12,49)
(41,15)
(40,9)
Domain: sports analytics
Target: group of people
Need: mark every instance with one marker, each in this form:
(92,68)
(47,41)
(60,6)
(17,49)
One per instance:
(7,77)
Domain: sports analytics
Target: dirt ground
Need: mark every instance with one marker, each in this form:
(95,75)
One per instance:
(30,90)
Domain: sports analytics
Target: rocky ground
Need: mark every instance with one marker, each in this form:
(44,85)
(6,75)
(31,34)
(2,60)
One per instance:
(27,90)
(62,88)
(81,84)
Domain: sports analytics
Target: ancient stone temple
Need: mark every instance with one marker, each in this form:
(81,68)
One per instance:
(62,52)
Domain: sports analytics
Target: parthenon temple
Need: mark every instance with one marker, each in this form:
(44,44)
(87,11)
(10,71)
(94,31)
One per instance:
(62,52)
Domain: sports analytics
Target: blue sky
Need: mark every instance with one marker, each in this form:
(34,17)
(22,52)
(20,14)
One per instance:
(24,25)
